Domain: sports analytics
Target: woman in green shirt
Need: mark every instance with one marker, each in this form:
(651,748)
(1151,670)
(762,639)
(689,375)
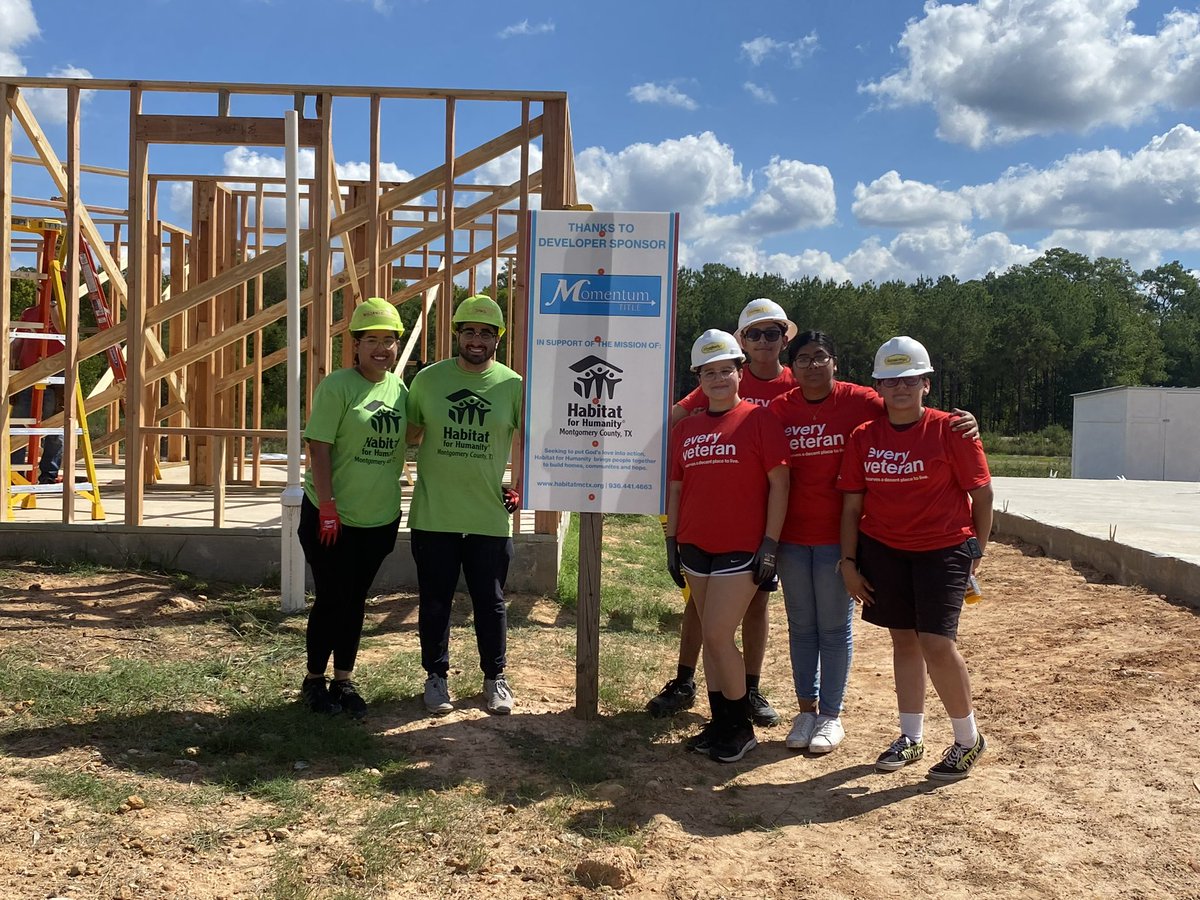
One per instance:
(351,509)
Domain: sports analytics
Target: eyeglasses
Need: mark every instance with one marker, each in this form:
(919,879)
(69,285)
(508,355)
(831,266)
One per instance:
(763,334)
(717,374)
(818,359)
(907,381)
(471,334)
(388,343)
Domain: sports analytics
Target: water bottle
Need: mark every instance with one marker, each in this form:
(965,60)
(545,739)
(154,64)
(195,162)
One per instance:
(973,595)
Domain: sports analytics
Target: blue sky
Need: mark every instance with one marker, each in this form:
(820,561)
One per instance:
(849,139)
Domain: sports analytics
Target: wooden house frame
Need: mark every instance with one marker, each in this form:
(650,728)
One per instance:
(194,388)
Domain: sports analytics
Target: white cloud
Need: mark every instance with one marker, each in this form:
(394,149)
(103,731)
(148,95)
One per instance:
(665,94)
(999,70)
(891,202)
(762,48)
(689,175)
(18,25)
(383,7)
(797,195)
(947,250)
(523,29)
(759,93)
(1153,187)
(1144,248)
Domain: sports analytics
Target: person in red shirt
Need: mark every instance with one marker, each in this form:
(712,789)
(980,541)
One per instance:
(763,331)
(916,515)
(818,417)
(725,508)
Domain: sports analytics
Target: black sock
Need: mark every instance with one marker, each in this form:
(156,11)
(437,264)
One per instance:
(752,682)
(685,674)
(716,705)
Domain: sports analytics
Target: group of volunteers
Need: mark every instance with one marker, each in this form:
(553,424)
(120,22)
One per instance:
(841,494)
(462,413)
(778,476)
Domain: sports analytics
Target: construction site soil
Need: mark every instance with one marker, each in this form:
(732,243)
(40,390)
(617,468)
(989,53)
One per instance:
(1090,787)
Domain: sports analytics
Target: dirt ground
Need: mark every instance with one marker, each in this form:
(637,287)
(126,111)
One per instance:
(1086,691)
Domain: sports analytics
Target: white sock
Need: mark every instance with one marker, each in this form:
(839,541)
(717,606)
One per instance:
(965,732)
(912,725)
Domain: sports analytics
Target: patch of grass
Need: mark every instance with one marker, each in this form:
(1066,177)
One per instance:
(1021,466)
(103,794)
(636,592)
(126,686)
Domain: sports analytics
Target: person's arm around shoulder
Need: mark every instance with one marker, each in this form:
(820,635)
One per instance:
(965,423)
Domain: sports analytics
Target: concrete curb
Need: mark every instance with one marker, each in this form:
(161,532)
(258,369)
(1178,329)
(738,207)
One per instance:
(1174,578)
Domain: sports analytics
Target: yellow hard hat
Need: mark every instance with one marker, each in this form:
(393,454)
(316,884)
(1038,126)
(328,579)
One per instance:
(376,313)
(480,308)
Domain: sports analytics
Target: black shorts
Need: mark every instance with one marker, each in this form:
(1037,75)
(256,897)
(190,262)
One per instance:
(918,590)
(701,562)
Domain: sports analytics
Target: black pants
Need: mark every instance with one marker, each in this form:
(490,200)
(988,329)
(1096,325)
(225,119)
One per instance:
(483,560)
(343,575)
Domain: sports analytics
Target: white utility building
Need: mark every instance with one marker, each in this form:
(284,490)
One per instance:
(1146,433)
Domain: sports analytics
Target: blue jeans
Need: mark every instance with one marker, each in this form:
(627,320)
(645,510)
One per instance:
(820,623)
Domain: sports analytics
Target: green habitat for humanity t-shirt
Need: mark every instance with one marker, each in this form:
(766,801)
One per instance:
(365,423)
(469,419)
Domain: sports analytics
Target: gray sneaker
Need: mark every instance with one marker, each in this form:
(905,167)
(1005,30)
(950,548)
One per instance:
(437,695)
(498,695)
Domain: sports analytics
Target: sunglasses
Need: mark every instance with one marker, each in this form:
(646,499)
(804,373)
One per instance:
(763,334)
(907,380)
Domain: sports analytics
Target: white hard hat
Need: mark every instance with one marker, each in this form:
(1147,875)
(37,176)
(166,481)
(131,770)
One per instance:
(764,310)
(713,346)
(901,356)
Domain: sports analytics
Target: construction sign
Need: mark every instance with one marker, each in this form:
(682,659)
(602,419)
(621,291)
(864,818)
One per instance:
(599,360)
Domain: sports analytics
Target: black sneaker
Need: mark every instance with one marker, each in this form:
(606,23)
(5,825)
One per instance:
(904,750)
(345,695)
(733,744)
(314,693)
(764,713)
(704,740)
(675,697)
(958,760)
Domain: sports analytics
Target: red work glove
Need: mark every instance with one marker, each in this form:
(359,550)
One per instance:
(330,524)
(512,500)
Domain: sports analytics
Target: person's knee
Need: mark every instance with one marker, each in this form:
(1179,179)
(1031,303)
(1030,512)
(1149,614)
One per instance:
(937,648)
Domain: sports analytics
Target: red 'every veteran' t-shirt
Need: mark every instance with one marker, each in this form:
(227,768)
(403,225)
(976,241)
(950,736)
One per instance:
(759,391)
(916,480)
(816,433)
(723,461)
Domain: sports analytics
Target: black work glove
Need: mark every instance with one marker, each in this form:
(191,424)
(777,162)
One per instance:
(764,560)
(511,499)
(674,566)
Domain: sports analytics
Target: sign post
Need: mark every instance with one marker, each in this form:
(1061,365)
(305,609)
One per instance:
(598,383)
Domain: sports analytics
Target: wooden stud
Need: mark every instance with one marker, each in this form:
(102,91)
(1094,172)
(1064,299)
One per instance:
(257,132)
(135,466)
(8,94)
(71,313)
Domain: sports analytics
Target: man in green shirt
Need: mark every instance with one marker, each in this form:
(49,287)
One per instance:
(463,412)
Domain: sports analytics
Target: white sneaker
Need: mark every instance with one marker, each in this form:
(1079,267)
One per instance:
(802,731)
(437,695)
(828,734)
(498,694)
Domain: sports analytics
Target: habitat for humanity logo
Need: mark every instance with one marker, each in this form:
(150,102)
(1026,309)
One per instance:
(596,377)
(384,419)
(600,295)
(468,408)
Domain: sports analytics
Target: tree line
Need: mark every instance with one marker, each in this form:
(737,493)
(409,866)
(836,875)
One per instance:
(1011,347)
